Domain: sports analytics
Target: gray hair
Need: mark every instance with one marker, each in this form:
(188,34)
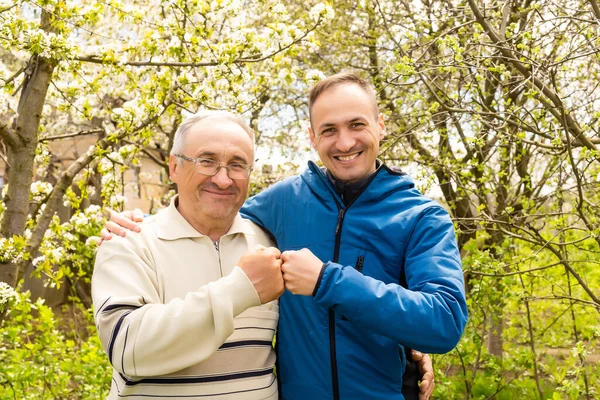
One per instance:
(184,127)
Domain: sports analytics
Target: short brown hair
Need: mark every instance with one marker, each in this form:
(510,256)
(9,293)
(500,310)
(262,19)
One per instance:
(339,79)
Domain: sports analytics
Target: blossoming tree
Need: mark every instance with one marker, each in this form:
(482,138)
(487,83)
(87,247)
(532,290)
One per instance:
(119,73)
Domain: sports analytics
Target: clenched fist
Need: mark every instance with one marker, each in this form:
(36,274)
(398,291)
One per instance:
(301,270)
(263,268)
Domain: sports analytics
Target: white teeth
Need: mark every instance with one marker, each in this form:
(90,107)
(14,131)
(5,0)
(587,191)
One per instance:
(347,158)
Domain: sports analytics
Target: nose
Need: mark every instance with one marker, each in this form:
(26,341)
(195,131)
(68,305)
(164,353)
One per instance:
(345,140)
(221,179)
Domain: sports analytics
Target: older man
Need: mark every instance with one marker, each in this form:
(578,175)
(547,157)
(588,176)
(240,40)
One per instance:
(186,308)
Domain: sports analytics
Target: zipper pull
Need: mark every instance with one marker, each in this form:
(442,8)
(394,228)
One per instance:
(339,220)
(359,263)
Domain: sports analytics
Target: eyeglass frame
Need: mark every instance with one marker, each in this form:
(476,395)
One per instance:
(196,161)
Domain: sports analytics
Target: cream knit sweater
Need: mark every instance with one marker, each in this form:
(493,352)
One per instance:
(177,317)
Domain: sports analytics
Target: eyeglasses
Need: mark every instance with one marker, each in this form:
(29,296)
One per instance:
(210,167)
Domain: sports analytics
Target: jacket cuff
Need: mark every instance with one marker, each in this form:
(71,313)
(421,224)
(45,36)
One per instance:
(316,289)
(242,291)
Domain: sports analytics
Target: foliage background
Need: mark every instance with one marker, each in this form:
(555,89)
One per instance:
(492,106)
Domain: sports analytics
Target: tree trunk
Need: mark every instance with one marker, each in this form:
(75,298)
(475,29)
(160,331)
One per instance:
(21,155)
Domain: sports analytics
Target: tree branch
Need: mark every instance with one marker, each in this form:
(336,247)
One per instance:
(567,266)
(242,60)
(10,138)
(514,272)
(14,76)
(595,8)
(67,177)
(157,160)
(70,135)
(570,125)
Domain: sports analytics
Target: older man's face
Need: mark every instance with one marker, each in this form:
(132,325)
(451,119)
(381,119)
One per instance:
(213,197)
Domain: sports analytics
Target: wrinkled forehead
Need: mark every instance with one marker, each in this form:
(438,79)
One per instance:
(220,139)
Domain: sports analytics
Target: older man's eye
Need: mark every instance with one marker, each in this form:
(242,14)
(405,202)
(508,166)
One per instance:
(207,163)
(238,167)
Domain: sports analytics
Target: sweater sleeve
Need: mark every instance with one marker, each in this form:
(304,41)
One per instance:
(144,337)
(431,315)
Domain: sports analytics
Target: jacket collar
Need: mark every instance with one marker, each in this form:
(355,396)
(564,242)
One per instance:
(385,181)
(172,226)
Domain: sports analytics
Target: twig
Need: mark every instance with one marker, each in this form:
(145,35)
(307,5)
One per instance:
(243,60)
(70,135)
(558,110)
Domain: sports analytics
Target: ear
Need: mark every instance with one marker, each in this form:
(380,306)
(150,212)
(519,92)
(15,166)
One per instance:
(381,123)
(174,168)
(312,137)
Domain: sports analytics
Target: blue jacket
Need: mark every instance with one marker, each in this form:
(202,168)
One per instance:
(346,342)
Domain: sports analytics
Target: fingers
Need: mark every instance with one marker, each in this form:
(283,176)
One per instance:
(104,235)
(111,227)
(122,220)
(286,255)
(427,380)
(137,215)
(416,355)
(426,387)
(274,251)
(263,267)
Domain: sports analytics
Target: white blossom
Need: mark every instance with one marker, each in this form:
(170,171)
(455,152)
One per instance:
(115,156)
(105,165)
(9,251)
(94,209)
(38,260)
(314,75)
(80,220)
(323,11)
(279,9)
(39,190)
(8,295)
(174,43)
(91,190)
(69,236)
(57,254)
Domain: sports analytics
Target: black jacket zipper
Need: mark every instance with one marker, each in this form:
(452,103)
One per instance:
(332,350)
(336,256)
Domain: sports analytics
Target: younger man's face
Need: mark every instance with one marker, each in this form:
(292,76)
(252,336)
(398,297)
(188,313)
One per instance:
(346,130)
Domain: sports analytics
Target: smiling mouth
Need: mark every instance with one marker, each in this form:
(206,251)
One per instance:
(219,193)
(349,157)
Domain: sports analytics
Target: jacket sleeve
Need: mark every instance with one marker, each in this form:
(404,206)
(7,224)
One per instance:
(431,315)
(144,337)
(263,209)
